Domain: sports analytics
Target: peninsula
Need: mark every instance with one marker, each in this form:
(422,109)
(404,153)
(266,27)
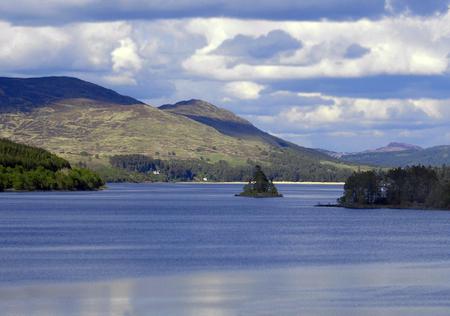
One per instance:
(416,187)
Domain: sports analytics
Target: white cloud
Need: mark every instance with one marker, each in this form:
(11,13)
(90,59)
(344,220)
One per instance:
(22,47)
(245,90)
(85,46)
(353,124)
(400,45)
(354,113)
(125,57)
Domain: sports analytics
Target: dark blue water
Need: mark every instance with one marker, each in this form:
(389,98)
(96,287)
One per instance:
(191,249)
(134,230)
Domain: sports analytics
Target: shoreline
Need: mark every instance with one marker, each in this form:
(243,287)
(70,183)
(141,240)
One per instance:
(242,182)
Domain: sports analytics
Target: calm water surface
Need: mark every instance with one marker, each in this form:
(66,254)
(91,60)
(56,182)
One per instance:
(191,249)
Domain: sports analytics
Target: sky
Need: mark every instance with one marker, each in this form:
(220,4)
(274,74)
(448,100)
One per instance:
(345,75)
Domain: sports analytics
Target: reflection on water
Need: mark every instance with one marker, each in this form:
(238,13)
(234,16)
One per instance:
(369,289)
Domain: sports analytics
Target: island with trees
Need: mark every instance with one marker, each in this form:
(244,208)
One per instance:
(259,186)
(27,168)
(411,187)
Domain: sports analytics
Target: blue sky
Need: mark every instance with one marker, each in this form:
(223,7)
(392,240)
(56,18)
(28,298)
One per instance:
(343,75)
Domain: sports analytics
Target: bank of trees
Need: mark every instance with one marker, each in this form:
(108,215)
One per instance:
(278,167)
(29,168)
(180,170)
(416,186)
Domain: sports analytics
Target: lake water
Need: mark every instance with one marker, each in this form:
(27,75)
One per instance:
(195,249)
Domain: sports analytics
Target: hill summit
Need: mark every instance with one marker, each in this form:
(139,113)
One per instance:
(224,121)
(395,147)
(28,93)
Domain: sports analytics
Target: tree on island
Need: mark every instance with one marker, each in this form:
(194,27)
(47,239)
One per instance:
(260,186)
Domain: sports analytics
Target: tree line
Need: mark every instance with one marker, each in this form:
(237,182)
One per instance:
(415,186)
(29,168)
(285,166)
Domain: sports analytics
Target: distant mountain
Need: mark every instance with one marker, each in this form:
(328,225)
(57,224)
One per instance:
(434,156)
(27,93)
(395,147)
(87,123)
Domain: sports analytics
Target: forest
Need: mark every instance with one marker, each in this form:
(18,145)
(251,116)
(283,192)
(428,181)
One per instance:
(27,168)
(280,167)
(409,187)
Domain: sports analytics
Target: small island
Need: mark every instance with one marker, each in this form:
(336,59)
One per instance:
(259,186)
(416,187)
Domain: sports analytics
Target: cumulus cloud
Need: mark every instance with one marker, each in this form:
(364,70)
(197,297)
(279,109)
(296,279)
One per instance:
(125,63)
(402,46)
(125,57)
(77,47)
(138,58)
(355,124)
(363,114)
(243,89)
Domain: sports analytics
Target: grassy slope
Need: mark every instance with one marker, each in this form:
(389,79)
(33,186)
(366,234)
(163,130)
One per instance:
(71,127)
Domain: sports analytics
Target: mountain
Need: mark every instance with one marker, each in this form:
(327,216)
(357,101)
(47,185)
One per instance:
(87,123)
(228,123)
(395,147)
(222,120)
(401,156)
(28,93)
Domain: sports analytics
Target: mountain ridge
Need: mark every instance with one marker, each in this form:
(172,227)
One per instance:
(28,93)
(395,147)
(90,124)
(228,123)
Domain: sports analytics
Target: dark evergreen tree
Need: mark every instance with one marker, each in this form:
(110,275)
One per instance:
(260,186)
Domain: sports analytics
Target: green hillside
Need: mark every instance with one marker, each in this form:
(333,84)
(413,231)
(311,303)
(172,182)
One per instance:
(29,168)
(90,124)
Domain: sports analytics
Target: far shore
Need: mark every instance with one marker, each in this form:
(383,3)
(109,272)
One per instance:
(276,182)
